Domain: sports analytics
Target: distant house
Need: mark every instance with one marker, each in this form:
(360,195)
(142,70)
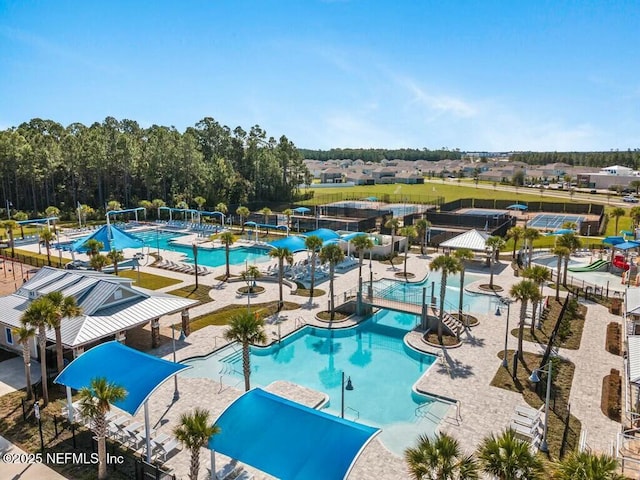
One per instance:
(359,178)
(409,178)
(384,175)
(332,175)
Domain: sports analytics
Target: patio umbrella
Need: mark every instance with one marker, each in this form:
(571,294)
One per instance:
(302,210)
(517,206)
(561,231)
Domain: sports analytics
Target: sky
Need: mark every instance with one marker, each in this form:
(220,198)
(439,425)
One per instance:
(479,75)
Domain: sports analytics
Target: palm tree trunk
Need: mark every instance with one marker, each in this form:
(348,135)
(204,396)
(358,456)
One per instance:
(46,245)
(115,266)
(523,313)
(534,306)
(194,465)
(59,357)
(42,342)
(26,356)
(461,298)
(313,274)
(558,278)
(406,255)
(246,366)
(422,244)
(102,457)
(491,260)
(566,268)
(332,304)
(393,244)
(281,274)
(515,244)
(443,291)
(226,253)
(361,260)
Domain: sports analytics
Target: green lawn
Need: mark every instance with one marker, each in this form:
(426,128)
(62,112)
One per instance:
(190,291)
(222,316)
(148,280)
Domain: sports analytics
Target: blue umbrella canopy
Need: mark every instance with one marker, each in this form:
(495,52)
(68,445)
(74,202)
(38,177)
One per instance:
(561,231)
(614,240)
(301,210)
(112,238)
(517,206)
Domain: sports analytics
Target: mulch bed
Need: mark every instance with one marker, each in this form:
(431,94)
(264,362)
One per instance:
(449,341)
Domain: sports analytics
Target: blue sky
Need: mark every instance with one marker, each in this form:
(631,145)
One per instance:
(475,75)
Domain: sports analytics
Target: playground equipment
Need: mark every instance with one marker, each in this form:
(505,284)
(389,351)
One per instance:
(619,262)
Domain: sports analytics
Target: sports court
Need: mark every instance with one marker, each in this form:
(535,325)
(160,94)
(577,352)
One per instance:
(553,220)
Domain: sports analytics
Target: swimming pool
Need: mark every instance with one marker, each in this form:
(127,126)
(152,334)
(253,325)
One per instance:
(381,367)
(211,257)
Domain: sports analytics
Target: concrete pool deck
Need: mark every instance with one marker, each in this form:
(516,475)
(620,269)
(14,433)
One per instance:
(463,373)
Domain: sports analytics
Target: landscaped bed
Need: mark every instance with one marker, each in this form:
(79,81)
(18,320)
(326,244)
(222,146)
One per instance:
(190,291)
(224,314)
(569,333)
(148,280)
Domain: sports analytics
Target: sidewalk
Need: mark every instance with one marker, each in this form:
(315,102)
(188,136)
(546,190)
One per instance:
(22,471)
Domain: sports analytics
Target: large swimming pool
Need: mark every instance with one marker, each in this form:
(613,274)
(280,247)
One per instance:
(211,257)
(373,355)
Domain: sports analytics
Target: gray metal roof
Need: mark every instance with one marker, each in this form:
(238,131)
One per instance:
(634,358)
(473,240)
(102,316)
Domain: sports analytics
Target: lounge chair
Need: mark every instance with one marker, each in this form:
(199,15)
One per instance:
(228,469)
(529,433)
(529,412)
(165,448)
(244,475)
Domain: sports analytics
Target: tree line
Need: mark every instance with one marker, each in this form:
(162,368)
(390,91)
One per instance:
(44,163)
(379,154)
(629,158)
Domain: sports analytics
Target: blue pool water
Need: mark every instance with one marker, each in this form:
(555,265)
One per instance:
(211,257)
(381,367)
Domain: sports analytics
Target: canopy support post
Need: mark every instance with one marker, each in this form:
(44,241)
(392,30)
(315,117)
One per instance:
(147,430)
(70,412)
(213,465)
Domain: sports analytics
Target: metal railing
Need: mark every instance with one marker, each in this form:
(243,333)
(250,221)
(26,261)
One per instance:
(357,417)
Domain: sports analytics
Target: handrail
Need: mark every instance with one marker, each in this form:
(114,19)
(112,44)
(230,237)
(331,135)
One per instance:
(299,322)
(356,412)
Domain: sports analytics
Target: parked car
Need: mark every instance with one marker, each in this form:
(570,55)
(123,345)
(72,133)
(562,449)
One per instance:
(630,199)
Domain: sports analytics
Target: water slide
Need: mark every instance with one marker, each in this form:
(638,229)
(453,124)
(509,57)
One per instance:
(592,267)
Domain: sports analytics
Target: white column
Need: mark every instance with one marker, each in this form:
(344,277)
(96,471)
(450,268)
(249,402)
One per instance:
(70,411)
(147,430)
(213,465)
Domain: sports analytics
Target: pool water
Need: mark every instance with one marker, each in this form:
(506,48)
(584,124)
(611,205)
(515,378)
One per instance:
(211,257)
(373,355)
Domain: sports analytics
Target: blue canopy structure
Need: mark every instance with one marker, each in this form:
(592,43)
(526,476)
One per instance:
(350,236)
(517,206)
(627,246)
(111,237)
(324,234)
(302,210)
(293,243)
(38,221)
(299,442)
(137,372)
(613,240)
(140,374)
(371,199)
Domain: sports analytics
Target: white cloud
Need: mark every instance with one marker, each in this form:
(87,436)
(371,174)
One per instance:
(441,104)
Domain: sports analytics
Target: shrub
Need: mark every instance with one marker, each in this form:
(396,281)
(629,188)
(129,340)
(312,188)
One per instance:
(612,395)
(614,338)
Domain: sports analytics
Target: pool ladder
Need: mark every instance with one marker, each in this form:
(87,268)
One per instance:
(357,413)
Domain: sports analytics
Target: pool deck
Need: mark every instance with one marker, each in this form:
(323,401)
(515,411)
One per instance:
(462,373)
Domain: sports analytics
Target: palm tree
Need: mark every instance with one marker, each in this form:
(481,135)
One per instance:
(157,203)
(64,307)
(392,224)
(361,243)
(40,314)
(506,457)
(439,459)
(250,275)
(222,208)
(494,243)
(538,274)
(530,234)
(313,244)
(194,432)
(288,213)
(114,205)
(9,226)
(243,213)
(635,215)
(146,204)
(616,213)
(52,211)
(114,257)
(25,334)
(561,252)
(246,328)
(93,247)
(98,262)
(47,236)
(572,242)
(463,255)
(587,466)
(21,217)
(410,233)
(515,233)
(524,291)
(422,226)
(95,403)
(332,254)
(447,265)
(281,254)
(227,239)
(266,211)
(200,202)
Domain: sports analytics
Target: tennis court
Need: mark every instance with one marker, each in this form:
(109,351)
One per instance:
(486,213)
(552,220)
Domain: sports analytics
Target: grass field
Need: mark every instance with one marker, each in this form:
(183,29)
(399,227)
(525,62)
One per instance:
(148,280)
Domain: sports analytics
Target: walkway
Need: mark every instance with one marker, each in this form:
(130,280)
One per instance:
(23,471)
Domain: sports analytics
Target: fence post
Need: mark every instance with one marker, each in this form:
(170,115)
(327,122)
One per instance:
(55,425)
(24,411)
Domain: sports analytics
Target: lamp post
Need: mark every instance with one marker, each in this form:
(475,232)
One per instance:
(507,302)
(195,261)
(370,275)
(535,378)
(347,386)
(36,412)
(176,393)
